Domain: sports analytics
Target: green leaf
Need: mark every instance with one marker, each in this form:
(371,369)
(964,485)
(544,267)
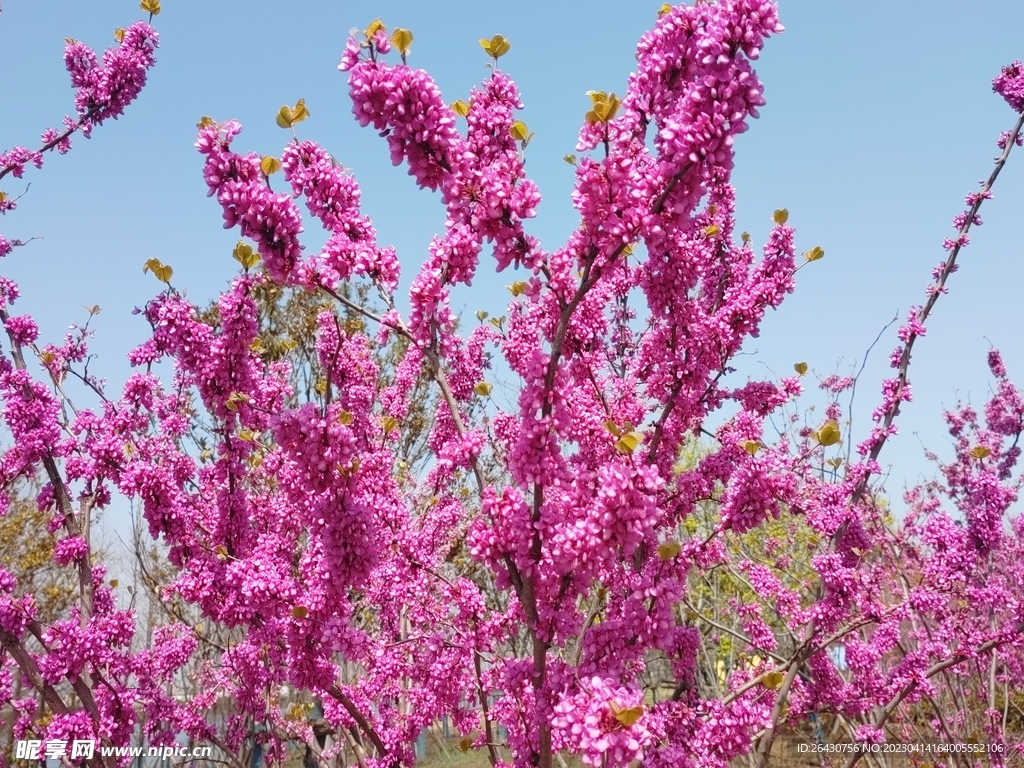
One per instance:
(627,716)
(814,254)
(829,433)
(980,452)
(629,442)
(151,7)
(669,549)
(800,368)
(402,40)
(781,216)
(233,400)
(299,111)
(375,26)
(161,271)
(570,159)
(772,680)
(605,105)
(482,388)
(496,47)
(519,130)
(270,165)
(245,255)
(713,231)
(751,446)
(460,108)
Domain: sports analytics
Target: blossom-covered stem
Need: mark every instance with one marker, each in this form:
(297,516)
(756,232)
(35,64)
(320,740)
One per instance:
(453,406)
(400,329)
(75,525)
(492,753)
(925,311)
(893,409)
(338,695)
(30,669)
(990,645)
(52,143)
(764,747)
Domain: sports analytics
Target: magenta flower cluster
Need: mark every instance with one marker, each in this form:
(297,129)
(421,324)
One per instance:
(402,540)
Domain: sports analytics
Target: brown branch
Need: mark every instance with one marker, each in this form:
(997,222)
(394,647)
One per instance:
(365,726)
(62,137)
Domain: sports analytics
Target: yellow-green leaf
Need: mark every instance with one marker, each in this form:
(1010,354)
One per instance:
(835,463)
(389,424)
(299,111)
(713,230)
(772,680)
(114,583)
(150,6)
(248,435)
(160,271)
(284,116)
(605,105)
(751,446)
(234,399)
(345,418)
(781,216)
(465,743)
(665,8)
(745,237)
(628,442)
(300,612)
(461,108)
(612,427)
(402,40)
(481,315)
(517,288)
(980,452)
(800,368)
(496,47)
(519,130)
(829,433)
(119,34)
(375,26)
(570,159)
(627,716)
(256,346)
(814,254)
(205,122)
(270,165)
(245,255)
(222,552)
(669,549)
(482,388)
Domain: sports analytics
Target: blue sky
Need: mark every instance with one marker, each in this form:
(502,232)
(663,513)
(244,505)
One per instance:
(880,118)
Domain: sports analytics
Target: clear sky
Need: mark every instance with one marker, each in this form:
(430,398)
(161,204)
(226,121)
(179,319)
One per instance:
(880,118)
